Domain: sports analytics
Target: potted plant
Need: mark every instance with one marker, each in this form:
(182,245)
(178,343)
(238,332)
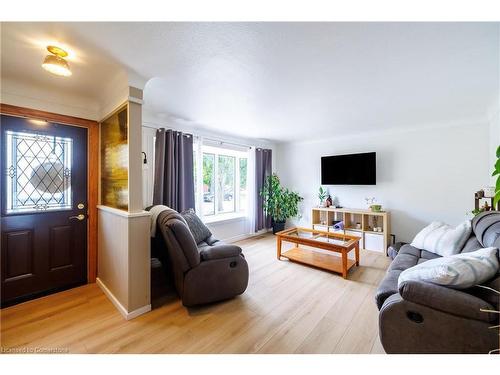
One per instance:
(322,195)
(496,172)
(279,202)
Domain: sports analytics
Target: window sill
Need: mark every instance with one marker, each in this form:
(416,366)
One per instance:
(224,218)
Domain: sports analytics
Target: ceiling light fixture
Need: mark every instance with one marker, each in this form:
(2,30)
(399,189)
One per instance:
(55,63)
(38,122)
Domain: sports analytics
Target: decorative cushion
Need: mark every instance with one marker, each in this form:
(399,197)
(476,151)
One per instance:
(486,227)
(199,230)
(442,239)
(458,271)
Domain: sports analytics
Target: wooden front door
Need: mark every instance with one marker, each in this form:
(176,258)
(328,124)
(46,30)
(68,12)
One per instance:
(44,208)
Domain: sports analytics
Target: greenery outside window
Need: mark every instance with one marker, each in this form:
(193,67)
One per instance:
(224,185)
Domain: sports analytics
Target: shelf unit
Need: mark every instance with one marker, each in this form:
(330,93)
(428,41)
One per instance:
(323,217)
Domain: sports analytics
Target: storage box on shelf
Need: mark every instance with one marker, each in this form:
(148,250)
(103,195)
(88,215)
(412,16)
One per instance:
(357,222)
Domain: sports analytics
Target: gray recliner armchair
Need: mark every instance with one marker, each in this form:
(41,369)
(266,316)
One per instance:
(420,317)
(206,272)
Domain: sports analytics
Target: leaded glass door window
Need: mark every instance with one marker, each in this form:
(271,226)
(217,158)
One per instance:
(38,172)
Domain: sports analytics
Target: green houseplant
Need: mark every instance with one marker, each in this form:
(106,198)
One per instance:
(496,172)
(279,202)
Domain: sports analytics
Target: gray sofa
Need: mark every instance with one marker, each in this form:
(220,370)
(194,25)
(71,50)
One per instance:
(206,272)
(422,317)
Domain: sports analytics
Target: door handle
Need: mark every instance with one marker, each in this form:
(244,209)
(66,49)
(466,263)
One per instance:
(77,217)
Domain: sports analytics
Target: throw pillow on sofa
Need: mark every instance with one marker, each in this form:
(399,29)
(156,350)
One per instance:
(442,239)
(458,271)
(199,230)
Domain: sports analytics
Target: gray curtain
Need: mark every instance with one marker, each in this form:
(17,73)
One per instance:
(174,180)
(263,165)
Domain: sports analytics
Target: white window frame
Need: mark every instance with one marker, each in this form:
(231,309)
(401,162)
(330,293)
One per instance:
(215,170)
(238,211)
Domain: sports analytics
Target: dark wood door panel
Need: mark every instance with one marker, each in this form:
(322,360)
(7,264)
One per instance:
(67,263)
(61,247)
(43,247)
(17,248)
(20,263)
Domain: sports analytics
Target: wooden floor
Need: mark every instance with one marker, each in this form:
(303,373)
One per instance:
(287,308)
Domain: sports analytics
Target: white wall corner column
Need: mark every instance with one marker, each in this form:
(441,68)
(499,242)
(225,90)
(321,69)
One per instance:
(123,267)
(123,235)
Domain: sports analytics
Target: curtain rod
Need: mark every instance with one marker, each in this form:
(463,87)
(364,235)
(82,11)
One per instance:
(150,127)
(225,142)
(208,138)
(166,128)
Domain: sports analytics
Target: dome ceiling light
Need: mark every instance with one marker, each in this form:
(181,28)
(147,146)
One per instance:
(55,63)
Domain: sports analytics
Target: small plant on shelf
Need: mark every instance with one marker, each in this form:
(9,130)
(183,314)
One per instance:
(369,201)
(322,195)
(476,211)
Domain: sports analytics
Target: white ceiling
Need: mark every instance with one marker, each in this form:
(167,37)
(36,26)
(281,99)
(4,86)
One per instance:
(280,81)
(23,48)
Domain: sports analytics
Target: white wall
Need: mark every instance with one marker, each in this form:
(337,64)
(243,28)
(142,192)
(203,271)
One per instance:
(231,230)
(494,120)
(26,93)
(148,145)
(29,95)
(422,175)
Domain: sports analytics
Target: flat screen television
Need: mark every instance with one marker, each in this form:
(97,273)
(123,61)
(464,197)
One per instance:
(352,169)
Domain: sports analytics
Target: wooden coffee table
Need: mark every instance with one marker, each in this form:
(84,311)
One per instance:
(331,242)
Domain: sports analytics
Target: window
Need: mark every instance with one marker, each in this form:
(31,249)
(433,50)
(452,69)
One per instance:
(223,182)
(39,172)
(243,165)
(208,184)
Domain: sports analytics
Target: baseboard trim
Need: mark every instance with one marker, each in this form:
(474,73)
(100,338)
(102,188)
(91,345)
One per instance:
(242,237)
(139,311)
(127,315)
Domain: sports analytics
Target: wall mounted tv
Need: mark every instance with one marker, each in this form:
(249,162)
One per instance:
(352,169)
